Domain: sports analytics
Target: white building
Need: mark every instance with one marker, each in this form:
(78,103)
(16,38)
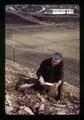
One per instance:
(62,11)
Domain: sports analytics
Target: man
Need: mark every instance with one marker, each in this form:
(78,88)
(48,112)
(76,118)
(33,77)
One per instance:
(51,70)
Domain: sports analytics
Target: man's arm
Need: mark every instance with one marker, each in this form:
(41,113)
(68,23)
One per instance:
(39,73)
(40,70)
(61,75)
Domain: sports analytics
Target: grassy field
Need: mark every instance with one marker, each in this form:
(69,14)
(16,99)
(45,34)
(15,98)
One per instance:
(32,44)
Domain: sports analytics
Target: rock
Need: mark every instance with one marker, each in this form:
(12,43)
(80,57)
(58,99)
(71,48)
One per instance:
(22,112)
(37,105)
(38,94)
(59,105)
(36,108)
(20,102)
(16,106)
(41,108)
(50,109)
(6,103)
(28,97)
(46,96)
(42,99)
(31,75)
(70,107)
(61,111)
(26,85)
(8,110)
(8,100)
(77,112)
(27,109)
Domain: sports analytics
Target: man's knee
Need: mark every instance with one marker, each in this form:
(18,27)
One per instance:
(60,89)
(60,86)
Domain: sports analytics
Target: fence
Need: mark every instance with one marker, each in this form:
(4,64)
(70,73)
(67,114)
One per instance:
(14,52)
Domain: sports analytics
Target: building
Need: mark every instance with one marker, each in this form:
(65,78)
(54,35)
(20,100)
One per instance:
(60,11)
(44,9)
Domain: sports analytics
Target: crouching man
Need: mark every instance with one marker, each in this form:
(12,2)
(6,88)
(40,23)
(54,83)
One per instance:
(51,70)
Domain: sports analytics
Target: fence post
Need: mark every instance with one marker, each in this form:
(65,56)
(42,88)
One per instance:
(13,48)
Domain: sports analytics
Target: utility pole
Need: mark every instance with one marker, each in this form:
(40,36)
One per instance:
(13,48)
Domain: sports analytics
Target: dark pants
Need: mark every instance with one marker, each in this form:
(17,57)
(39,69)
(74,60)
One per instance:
(60,90)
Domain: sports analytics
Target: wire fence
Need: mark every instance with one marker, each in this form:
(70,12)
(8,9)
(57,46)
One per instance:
(10,53)
(18,52)
(17,56)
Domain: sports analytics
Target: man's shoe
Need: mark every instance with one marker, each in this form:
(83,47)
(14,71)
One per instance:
(59,98)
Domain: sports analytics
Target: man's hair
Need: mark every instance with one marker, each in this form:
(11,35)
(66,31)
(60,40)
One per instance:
(57,56)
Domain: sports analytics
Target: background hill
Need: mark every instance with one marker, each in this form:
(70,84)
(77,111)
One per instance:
(32,19)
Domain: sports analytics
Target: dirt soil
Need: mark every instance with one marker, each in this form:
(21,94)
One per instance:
(34,102)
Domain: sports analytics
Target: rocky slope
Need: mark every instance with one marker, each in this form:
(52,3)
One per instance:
(30,101)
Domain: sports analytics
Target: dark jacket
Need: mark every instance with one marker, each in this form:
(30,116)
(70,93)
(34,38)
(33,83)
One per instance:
(50,74)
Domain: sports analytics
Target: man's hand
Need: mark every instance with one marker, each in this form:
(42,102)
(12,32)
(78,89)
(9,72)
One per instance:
(41,80)
(58,83)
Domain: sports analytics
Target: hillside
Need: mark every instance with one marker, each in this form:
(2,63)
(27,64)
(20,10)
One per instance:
(38,19)
(31,101)
(15,18)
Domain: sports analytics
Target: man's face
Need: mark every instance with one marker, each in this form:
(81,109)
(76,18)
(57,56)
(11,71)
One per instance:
(55,62)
